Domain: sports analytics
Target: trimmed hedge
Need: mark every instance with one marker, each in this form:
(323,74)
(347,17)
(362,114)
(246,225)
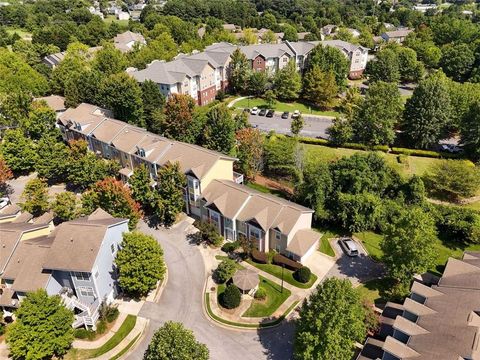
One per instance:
(230,246)
(383,148)
(259,257)
(289,264)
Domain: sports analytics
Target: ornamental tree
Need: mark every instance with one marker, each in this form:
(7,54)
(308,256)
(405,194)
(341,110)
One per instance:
(173,342)
(409,245)
(331,321)
(140,263)
(112,196)
(225,270)
(35,197)
(43,328)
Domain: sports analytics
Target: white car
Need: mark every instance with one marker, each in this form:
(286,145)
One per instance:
(349,246)
(454,149)
(295,114)
(254,111)
(4,201)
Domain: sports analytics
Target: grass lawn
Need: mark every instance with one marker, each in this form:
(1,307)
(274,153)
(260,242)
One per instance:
(276,271)
(275,298)
(414,165)
(284,106)
(122,332)
(371,242)
(112,18)
(325,246)
(373,291)
(474,206)
(265,190)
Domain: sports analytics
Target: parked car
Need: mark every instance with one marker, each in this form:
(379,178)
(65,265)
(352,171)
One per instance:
(4,201)
(254,111)
(349,246)
(270,113)
(453,149)
(246,110)
(295,114)
(262,112)
(285,115)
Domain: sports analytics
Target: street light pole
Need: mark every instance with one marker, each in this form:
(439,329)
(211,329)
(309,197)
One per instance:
(283,267)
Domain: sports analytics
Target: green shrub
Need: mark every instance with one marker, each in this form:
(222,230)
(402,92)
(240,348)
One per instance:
(84,334)
(231,297)
(302,275)
(289,264)
(108,312)
(225,270)
(208,233)
(260,294)
(421,153)
(229,247)
(101,327)
(355,146)
(458,224)
(2,329)
(259,257)
(270,256)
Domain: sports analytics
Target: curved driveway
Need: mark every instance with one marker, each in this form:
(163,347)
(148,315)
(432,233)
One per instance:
(181,301)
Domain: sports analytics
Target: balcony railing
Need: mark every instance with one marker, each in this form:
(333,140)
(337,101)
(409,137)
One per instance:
(237,177)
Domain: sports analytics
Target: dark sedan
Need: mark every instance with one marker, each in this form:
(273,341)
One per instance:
(262,112)
(285,115)
(270,113)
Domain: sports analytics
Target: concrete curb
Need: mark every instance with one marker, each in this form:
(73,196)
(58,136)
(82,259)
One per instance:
(137,341)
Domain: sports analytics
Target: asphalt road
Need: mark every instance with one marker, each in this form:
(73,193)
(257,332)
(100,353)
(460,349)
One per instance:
(181,301)
(315,126)
(357,269)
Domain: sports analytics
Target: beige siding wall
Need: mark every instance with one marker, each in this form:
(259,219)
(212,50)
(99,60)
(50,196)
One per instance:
(280,244)
(222,170)
(207,78)
(358,61)
(303,222)
(283,61)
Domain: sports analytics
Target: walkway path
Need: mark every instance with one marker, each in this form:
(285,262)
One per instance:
(182,301)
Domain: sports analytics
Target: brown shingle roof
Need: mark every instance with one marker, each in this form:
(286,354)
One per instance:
(303,241)
(108,129)
(55,102)
(76,244)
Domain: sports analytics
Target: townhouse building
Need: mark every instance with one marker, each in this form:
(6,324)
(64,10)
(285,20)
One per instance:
(74,260)
(213,192)
(439,320)
(202,74)
(126,40)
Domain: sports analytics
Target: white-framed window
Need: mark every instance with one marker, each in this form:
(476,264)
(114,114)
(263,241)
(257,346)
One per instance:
(255,233)
(86,291)
(214,217)
(82,276)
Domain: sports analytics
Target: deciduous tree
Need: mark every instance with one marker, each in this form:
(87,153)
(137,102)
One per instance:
(173,341)
(219,131)
(239,73)
(330,322)
(179,117)
(41,121)
(171,182)
(457,61)
(288,82)
(110,195)
(409,245)
(66,206)
(319,88)
(52,159)
(35,197)
(153,104)
(18,151)
(329,58)
(385,67)
(43,328)
(109,60)
(249,151)
(470,131)
(140,263)
(5,175)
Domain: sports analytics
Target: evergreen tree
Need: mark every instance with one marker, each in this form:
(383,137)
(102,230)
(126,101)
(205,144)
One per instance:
(297,125)
(153,104)
(470,131)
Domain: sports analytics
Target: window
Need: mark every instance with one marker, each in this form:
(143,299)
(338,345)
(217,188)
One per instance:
(82,276)
(285,60)
(86,291)
(278,236)
(255,233)
(112,248)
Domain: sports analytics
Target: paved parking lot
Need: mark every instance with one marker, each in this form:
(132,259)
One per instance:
(358,269)
(315,126)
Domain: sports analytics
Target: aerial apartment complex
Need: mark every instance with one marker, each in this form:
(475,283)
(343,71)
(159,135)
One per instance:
(202,74)
(213,191)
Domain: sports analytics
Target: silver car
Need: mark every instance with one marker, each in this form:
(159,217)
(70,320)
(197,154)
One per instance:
(349,246)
